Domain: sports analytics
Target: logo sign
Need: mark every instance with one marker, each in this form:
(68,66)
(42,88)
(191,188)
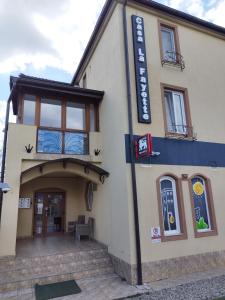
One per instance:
(141,72)
(144,146)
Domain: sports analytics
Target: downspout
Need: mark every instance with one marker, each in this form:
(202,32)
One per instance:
(131,143)
(4,147)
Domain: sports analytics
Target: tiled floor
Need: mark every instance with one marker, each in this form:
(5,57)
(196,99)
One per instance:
(52,245)
(100,288)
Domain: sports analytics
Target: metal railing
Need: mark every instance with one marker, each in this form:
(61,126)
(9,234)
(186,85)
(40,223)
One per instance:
(181,132)
(62,142)
(174,59)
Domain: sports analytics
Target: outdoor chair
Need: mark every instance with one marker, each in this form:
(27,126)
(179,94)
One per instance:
(84,229)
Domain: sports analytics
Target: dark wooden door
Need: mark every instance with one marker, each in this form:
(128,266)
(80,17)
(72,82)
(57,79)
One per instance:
(49,213)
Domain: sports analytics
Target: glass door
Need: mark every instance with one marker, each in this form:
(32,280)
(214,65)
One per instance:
(49,213)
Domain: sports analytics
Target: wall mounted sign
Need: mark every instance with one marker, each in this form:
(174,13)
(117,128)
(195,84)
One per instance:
(141,72)
(155,235)
(89,195)
(143,146)
(24,202)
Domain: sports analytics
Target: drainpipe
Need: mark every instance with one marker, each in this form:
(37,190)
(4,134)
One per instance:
(131,142)
(4,147)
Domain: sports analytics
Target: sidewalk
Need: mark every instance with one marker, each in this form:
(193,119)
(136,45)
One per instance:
(208,285)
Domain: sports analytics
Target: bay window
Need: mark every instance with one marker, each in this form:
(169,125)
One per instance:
(63,125)
(51,111)
(29,105)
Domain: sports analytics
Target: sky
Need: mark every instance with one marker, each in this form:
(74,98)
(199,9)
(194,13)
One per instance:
(46,38)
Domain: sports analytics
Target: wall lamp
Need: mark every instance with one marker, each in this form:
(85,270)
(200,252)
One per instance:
(4,187)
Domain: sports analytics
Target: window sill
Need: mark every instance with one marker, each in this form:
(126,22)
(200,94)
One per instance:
(180,136)
(206,233)
(173,63)
(175,237)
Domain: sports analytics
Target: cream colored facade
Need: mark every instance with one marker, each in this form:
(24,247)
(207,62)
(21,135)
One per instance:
(104,67)
(203,77)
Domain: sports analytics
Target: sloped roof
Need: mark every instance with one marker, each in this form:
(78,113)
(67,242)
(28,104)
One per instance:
(24,82)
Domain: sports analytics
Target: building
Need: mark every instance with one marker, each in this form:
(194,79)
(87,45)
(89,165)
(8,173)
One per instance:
(162,72)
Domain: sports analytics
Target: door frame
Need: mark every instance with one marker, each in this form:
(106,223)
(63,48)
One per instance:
(50,191)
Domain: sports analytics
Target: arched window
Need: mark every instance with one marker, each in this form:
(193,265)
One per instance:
(202,206)
(171,211)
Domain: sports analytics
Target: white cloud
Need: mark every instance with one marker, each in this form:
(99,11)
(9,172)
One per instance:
(216,14)
(54,33)
(45,33)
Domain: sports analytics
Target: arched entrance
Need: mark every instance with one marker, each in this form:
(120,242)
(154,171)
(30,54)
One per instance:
(57,190)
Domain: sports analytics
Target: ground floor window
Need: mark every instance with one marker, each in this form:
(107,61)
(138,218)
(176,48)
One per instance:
(202,206)
(171,222)
(171,210)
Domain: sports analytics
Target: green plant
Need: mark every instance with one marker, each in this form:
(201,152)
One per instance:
(201,224)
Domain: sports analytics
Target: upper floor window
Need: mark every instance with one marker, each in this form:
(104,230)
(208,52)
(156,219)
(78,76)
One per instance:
(29,105)
(75,116)
(60,114)
(50,113)
(202,206)
(63,125)
(169,45)
(176,109)
(171,210)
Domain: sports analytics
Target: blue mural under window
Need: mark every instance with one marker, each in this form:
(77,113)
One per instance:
(76,143)
(169,206)
(200,204)
(49,141)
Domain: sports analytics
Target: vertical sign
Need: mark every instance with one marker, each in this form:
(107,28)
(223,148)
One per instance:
(141,72)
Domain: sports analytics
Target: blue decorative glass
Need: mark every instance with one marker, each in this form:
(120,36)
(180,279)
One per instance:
(49,141)
(76,143)
(200,204)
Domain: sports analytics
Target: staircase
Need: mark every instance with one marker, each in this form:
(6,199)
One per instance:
(24,273)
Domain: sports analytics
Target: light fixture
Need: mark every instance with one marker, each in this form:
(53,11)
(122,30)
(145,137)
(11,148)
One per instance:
(4,187)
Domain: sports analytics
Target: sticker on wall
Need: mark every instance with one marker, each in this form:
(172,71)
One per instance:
(156,235)
(24,202)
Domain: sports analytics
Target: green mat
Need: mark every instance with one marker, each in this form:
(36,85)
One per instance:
(54,290)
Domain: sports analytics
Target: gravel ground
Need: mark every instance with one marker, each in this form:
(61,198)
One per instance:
(207,289)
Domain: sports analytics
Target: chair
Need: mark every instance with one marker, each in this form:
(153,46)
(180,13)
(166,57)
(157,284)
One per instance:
(84,229)
(81,219)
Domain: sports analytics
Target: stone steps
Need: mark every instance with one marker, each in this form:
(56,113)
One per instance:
(24,273)
(61,258)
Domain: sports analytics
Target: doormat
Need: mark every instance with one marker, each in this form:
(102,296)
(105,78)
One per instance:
(54,290)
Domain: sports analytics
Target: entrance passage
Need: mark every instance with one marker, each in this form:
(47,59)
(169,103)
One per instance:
(49,213)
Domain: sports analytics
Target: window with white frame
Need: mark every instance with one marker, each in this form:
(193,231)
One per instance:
(169,205)
(175,111)
(168,43)
(201,208)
